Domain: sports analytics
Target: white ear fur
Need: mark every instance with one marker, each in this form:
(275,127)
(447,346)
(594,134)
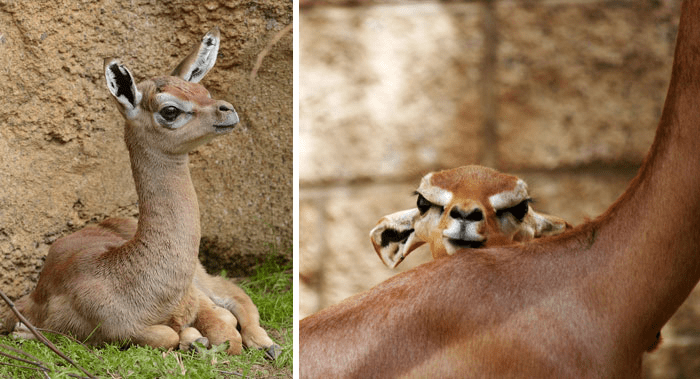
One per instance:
(121,85)
(394,238)
(201,59)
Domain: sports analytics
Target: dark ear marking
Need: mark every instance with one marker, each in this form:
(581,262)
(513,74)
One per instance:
(122,83)
(393,236)
(201,59)
(194,74)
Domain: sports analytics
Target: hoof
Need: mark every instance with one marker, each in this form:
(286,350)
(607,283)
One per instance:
(199,345)
(22,331)
(273,351)
(204,341)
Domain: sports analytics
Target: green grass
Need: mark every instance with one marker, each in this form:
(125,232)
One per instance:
(271,290)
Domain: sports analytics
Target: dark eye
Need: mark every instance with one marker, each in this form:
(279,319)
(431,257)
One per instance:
(169,113)
(518,211)
(423,204)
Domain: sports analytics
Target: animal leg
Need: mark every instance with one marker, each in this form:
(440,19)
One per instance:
(218,325)
(230,296)
(188,336)
(157,336)
(7,320)
(22,331)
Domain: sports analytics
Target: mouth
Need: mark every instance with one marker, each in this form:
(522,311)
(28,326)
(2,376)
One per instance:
(224,128)
(466,244)
(228,123)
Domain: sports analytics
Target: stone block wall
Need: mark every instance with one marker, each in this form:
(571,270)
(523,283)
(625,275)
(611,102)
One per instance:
(63,163)
(563,93)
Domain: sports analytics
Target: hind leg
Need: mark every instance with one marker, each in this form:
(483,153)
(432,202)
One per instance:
(11,324)
(8,320)
(242,307)
(218,325)
(228,295)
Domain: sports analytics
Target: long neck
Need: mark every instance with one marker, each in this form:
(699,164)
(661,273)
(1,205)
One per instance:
(168,226)
(650,239)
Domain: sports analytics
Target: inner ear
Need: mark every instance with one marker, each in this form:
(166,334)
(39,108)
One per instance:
(122,86)
(394,237)
(201,59)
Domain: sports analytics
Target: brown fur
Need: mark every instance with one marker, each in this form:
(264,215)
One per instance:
(470,188)
(123,280)
(585,304)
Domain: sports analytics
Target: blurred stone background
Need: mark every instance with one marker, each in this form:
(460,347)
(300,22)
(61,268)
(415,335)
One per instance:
(566,94)
(62,157)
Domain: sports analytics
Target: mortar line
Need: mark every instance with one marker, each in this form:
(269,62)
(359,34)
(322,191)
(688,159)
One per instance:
(488,156)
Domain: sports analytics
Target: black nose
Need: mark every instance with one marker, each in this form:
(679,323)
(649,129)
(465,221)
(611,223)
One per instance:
(474,215)
(224,108)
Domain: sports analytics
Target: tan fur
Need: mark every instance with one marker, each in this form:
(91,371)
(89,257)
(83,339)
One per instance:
(229,296)
(585,304)
(469,188)
(141,281)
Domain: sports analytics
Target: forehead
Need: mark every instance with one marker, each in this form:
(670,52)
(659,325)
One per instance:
(183,89)
(473,181)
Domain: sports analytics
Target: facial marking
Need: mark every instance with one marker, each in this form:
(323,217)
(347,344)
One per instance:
(464,231)
(165,103)
(507,199)
(434,194)
(177,87)
(466,207)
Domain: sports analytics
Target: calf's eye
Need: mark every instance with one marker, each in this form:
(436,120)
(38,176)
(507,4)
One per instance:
(169,113)
(423,204)
(519,211)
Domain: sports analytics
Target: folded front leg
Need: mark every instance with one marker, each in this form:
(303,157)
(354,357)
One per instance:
(218,325)
(190,335)
(157,336)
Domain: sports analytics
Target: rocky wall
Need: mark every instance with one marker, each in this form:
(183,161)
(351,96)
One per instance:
(566,94)
(62,157)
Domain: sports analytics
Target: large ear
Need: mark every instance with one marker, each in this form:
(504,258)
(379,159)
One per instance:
(122,86)
(546,225)
(201,59)
(394,237)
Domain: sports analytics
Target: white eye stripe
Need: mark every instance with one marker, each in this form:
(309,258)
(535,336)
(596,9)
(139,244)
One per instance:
(507,199)
(433,194)
(181,120)
(166,99)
